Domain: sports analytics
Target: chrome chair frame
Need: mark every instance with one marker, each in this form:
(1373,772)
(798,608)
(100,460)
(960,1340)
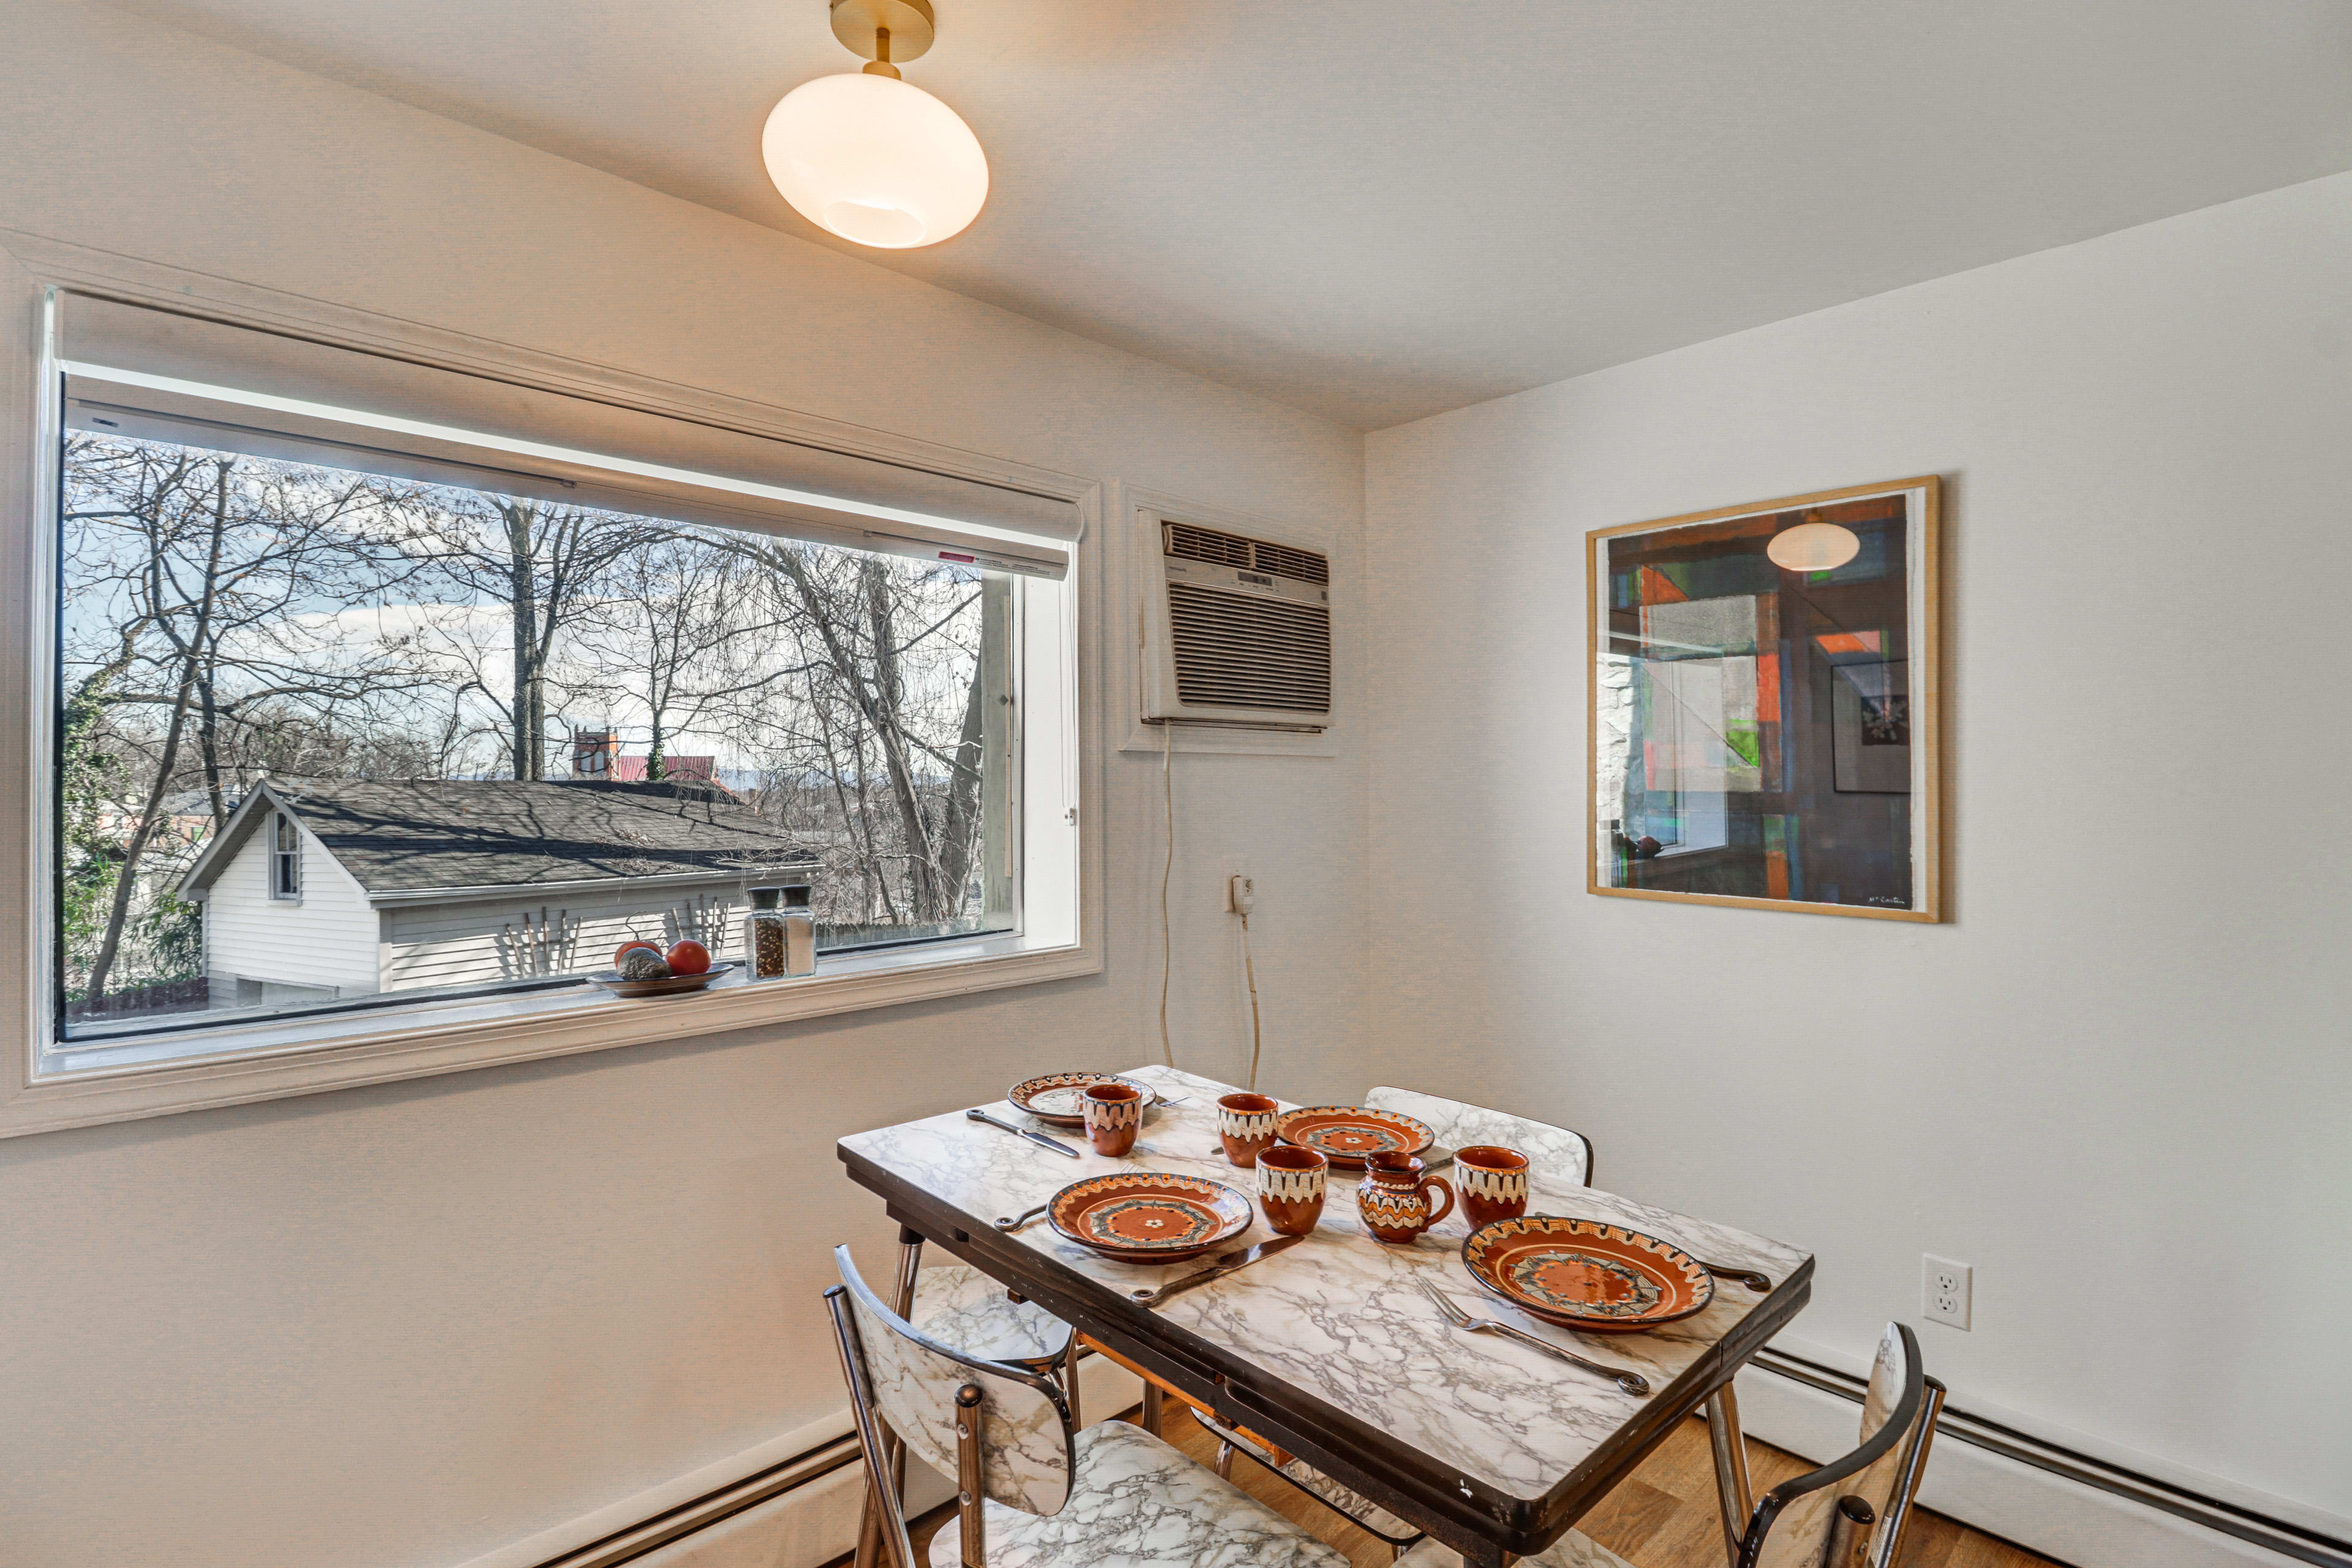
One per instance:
(885,1455)
(1858,1538)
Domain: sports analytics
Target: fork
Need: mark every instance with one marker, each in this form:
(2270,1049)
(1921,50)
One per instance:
(1633,1383)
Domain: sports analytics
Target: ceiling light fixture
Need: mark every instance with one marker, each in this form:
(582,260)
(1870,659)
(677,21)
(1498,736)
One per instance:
(1813,546)
(868,157)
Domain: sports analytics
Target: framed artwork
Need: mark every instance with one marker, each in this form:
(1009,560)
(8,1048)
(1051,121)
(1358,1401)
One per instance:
(1762,715)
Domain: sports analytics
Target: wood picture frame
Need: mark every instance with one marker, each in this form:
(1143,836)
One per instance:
(1750,699)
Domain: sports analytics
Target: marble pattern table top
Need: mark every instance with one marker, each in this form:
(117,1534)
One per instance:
(1341,1316)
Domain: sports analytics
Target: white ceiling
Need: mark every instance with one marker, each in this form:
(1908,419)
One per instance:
(1380,209)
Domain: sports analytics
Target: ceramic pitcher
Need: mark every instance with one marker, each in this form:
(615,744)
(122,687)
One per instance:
(1394,1199)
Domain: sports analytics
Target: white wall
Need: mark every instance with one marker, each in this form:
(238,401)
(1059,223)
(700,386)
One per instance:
(2118,1080)
(405,1325)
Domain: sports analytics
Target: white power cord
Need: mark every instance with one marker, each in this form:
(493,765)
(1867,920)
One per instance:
(1249,968)
(1168,803)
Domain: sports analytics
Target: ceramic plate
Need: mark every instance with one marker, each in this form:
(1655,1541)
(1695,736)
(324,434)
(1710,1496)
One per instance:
(669,985)
(1149,1216)
(1585,1274)
(1344,1135)
(1055,1097)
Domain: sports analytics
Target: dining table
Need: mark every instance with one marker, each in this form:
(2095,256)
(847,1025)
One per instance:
(1331,1349)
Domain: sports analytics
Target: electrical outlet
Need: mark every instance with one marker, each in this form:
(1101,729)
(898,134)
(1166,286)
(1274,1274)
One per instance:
(1945,1287)
(1241,893)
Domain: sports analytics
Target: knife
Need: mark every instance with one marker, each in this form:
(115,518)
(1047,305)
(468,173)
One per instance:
(1055,1144)
(1217,1270)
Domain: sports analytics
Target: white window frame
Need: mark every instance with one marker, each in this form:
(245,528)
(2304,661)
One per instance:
(287,889)
(1058,827)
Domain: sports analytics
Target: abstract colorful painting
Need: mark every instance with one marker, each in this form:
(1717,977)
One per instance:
(1762,715)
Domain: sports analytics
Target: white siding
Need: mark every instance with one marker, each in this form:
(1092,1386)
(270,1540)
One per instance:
(483,942)
(327,938)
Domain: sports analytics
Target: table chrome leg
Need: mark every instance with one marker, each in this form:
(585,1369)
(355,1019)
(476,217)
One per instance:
(869,1527)
(1225,1460)
(1152,1408)
(1733,1494)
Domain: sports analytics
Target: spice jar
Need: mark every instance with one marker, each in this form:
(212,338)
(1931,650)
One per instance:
(780,933)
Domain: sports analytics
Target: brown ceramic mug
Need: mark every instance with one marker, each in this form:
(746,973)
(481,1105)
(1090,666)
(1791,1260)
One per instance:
(1492,1184)
(1245,1122)
(1394,1199)
(1290,1182)
(1113,1115)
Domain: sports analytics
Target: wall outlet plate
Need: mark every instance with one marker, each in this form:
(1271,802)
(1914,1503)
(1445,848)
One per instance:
(1241,893)
(1945,1289)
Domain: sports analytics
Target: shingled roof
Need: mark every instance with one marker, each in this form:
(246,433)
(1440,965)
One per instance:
(458,834)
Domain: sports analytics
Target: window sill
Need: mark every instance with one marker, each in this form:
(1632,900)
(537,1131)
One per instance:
(99,1082)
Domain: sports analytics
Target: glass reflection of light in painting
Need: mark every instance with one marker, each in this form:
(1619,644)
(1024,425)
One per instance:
(1752,724)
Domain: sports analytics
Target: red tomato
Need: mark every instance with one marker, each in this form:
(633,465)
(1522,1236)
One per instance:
(689,958)
(622,952)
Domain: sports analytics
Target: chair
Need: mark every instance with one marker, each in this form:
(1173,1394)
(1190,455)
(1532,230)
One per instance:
(1557,1152)
(1032,1492)
(964,1310)
(1854,1510)
(1850,1514)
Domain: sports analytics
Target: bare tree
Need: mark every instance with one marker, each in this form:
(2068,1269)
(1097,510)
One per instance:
(196,586)
(544,564)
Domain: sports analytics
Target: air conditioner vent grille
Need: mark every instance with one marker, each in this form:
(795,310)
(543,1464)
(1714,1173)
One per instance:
(1285,561)
(1238,650)
(1196,543)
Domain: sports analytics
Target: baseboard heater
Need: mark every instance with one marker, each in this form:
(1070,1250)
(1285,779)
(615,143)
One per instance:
(1957,1426)
(713,1508)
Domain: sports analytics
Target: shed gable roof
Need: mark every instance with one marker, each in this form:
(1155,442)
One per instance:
(430,834)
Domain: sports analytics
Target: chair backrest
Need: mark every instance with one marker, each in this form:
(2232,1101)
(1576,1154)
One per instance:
(913,1382)
(1794,1521)
(1555,1153)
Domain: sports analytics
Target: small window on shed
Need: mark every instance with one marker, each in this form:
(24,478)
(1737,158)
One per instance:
(285,858)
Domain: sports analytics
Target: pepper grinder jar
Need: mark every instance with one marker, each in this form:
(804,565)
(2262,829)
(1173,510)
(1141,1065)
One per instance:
(764,941)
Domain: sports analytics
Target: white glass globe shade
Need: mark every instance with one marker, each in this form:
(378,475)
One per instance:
(1813,547)
(874,161)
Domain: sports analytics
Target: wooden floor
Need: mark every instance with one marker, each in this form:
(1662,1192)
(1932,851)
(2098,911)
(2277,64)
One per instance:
(1664,1516)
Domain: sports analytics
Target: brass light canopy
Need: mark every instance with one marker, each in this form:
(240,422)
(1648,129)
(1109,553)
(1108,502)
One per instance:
(886,32)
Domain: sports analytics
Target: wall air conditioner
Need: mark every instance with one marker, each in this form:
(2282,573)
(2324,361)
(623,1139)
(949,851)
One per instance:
(1236,632)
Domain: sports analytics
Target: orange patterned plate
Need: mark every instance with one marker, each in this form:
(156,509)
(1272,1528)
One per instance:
(1344,1135)
(1587,1274)
(1148,1216)
(1057,1099)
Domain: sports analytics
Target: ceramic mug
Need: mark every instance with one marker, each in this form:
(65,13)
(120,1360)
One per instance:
(1394,1198)
(1290,1182)
(1245,1122)
(1492,1184)
(1114,1114)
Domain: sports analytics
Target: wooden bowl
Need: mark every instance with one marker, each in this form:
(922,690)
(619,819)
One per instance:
(1344,1135)
(620,985)
(1149,1216)
(1586,1274)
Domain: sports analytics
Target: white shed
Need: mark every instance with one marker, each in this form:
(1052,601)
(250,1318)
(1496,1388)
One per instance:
(328,891)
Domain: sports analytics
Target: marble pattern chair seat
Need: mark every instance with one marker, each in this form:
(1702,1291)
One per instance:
(1135,1502)
(1570,1550)
(1556,1154)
